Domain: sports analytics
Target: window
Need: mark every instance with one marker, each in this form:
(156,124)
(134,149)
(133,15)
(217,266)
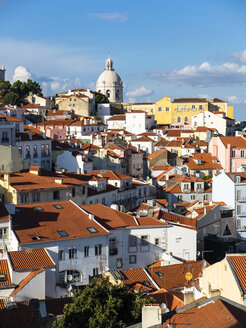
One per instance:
(159,274)
(61,255)
(193,107)
(95,272)
(3,233)
(73,192)
(56,194)
(179,108)
(186,119)
(98,249)
(72,253)
(159,109)
(205,197)
(132,241)
(239,209)
(192,197)
(58,206)
(36,197)
(103,201)
(132,259)
(119,263)
(86,251)
(242,153)
(28,152)
(199,187)
(20,151)
(186,187)
(24,198)
(42,150)
(167,109)
(47,150)
(178,119)
(233,153)
(186,107)
(35,151)
(144,241)
(157,241)
(200,107)
(112,242)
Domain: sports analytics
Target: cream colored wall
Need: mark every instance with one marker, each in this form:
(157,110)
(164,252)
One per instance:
(81,106)
(220,276)
(10,160)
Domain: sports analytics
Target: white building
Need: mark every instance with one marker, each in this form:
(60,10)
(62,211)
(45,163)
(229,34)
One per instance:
(136,121)
(144,143)
(218,121)
(109,83)
(74,161)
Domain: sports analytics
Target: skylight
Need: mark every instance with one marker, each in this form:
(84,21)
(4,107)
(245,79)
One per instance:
(92,230)
(38,208)
(58,206)
(2,277)
(159,274)
(62,233)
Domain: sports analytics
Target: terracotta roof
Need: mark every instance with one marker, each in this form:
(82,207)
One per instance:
(117,118)
(189,100)
(178,219)
(9,118)
(150,221)
(34,226)
(53,123)
(217,100)
(139,275)
(32,106)
(235,142)
(30,259)
(109,217)
(156,154)
(202,129)
(136,111)
(208,162)
(167,297)
(173,276)
(24,318)
(55,306)
(143,139)
(175,188)
(217,312)
(173,133)
(239,266)
(4,269)
(58,112)
(110,175)
(163,202)
(26,280)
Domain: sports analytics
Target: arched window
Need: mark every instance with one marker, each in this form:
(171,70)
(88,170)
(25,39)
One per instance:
(117,94)
(70,276)
(108,93)
(178,119)
(186,119)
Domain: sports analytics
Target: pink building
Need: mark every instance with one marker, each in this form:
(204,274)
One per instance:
(230,151)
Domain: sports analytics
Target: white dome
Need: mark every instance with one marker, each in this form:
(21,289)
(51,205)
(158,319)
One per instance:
(109,83)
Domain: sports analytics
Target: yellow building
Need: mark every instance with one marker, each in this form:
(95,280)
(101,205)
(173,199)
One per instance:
(226,278)
(147,107)
(180,111)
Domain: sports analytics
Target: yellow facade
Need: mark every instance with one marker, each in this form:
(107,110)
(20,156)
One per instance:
(218,279)
(179,111)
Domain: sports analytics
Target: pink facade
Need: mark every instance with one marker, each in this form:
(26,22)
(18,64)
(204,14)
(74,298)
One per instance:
(230,151)
(55,134)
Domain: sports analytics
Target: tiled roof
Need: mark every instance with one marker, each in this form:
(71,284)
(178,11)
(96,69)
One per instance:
(239,266)
(235,142)
(133,276)
(180,219)
(150,221)
(175,188)
(208,162)
(173,133)
(117,118)
(110,175)
(33,226)
(55,306)
(202,129)
(25,318)
(4,269)
(143,139)
(217,312)
(26,281)
(156,154)
(9,118)
(189,100)
(173,276)
(171,300)
(30,259)
(109,217)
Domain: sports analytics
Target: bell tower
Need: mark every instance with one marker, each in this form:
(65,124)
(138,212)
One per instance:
(2,73)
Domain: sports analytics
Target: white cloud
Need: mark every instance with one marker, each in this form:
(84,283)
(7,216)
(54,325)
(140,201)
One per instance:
(21,73)
(112,17)
(236,100)
(140,92)
(205,75)
(201,95)
(239,57)
(49,85)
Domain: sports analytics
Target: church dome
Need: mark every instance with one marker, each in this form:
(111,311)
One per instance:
(109,83)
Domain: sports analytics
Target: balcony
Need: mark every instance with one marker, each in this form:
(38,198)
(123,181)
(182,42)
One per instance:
(113,251)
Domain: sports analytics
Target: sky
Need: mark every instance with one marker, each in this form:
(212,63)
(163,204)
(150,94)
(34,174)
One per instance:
(178,48)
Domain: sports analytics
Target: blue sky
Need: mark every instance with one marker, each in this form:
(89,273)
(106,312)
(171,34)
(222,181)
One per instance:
(178,48)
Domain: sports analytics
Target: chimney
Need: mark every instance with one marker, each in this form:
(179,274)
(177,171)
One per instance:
(34,170)
(78,170)
(91,216)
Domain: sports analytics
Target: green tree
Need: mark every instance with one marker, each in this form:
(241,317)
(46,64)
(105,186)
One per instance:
(100,98)
(102,305)
(34,87)
(5,87)
(20,88)
(11,98)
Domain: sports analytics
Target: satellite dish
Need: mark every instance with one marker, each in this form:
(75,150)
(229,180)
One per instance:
(204,263)
(69,277)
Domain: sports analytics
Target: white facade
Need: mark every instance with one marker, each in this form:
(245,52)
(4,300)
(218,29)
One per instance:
(103,110)
(73,163)
(145,145)
(223,125)
(109,83)
(136,122)
(116,124)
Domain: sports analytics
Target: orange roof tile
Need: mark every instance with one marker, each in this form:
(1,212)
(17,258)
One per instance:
(110,175)
(173,133)
(139,275)
(189,100)
(171,300)
(235,142)
(30,259)
(4,269)
(239,266)
(156,154)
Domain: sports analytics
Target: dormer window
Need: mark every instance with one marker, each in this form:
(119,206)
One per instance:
(238,178)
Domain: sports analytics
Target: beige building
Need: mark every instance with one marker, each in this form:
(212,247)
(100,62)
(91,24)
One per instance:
(11,160)
(80,104)
(226,278)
